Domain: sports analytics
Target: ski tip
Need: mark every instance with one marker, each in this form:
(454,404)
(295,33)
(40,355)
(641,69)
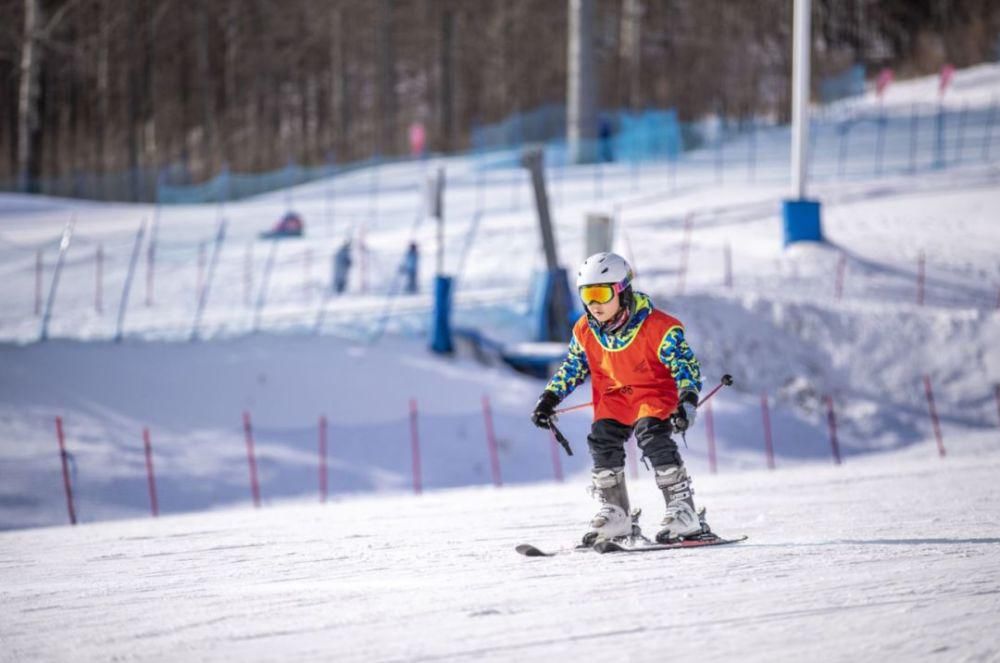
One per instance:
(529,550)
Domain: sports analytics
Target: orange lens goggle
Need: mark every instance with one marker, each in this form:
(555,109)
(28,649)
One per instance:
(600,294)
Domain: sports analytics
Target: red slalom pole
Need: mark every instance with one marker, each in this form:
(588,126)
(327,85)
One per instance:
(251,459)
(768,441)
(556,462)
(65,472)
(710,437)
(415,448)
(934,416)
(322,459)
(153,504)
(832,421)
(491,442)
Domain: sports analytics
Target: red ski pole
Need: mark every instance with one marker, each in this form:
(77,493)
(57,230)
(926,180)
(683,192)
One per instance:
(727,380)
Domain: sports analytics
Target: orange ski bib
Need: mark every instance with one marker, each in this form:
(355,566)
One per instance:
(631,383)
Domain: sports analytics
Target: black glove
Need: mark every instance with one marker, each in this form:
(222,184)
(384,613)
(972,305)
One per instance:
(545,409)
(687,411)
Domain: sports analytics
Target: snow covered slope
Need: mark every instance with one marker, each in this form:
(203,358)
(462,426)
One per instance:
(779,323)
(887,558)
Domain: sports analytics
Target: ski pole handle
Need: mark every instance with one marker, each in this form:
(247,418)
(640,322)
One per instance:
(726,381)
(561,439)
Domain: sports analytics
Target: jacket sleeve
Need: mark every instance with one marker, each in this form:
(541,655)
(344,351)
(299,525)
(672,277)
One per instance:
(572,373)
(677,356)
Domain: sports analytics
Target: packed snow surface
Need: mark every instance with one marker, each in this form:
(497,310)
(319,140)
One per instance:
(886,558)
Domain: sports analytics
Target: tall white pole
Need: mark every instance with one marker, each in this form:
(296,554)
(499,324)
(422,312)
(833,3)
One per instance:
(800,96)
(581,84)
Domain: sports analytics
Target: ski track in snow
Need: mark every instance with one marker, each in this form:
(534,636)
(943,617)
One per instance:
(895,558)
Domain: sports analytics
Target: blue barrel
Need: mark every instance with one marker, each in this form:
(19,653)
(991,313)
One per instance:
(801,219)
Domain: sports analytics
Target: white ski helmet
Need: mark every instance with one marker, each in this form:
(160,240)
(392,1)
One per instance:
(605,267)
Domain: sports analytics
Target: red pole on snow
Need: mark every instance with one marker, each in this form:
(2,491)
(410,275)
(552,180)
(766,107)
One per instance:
(710,436)
(322,459)
(841,268)
(415,447)
(153,504)
(556,462)
(251,459)
(38,282)
(491,442)
(921,277)
(65,472)
(768,441)
(99,279)
(832,420)
(934,416)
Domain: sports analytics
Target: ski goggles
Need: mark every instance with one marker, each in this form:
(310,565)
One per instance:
(600,293)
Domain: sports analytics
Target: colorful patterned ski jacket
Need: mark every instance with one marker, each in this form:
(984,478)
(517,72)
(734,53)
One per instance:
(639,371)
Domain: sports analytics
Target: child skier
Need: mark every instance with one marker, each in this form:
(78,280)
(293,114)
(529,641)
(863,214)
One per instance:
(645,379)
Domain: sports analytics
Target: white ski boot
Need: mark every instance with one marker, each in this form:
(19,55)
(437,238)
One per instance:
(613,520)
(681,520)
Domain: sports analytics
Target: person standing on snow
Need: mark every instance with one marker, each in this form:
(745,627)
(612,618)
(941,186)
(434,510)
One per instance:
(645,379)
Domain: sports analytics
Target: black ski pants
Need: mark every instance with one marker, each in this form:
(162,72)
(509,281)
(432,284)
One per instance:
(607,442)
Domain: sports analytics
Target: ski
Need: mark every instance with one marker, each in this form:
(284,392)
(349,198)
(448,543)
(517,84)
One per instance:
(603,547)
(529,550)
